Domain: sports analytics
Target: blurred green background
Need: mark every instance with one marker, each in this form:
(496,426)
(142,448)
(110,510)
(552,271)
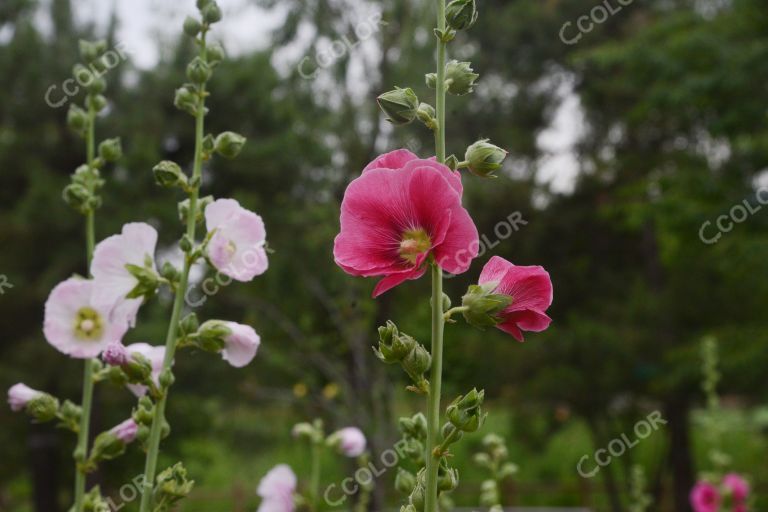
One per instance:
(621,146)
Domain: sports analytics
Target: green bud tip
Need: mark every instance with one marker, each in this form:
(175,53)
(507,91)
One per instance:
(484,158)
(229,144)
(461,14)
(460,77)
(399,105)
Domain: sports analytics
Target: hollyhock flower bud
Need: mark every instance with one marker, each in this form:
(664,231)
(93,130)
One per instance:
(77,118)
(97,102)
(465,412)
(705,497)
(154,356)
(531,292)
(229,144)
(238,343)
(237,245)
(168,174)
(19,395)
(97,85)
(483,158)
(405,481)
(125,431)
(417,497)
(415,426)
(276,490)
(737,486)
(115,354)
(417,362)
(198,71)
(350,441)
(111,150)
(393,346)
(460,77)
(43,408)
(214,54)
(90,50)
(77,196)
(192,26)
(461,14)
(173,484)
(447,478)
(399,105)
(396,243)
(426,114)
(483,306)
(77,323)
(124,268)
(186,99)
(211,13)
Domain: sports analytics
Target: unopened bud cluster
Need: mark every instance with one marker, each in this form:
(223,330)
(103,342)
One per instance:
(396,347)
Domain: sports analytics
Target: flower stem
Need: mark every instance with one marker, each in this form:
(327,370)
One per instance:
(314,490)
(438,321)
(153,443)
(81,450)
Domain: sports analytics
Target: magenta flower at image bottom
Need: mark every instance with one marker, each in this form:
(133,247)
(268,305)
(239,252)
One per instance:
(737,486)
(394,218)
(75,324)
(530,289)
(19,395)
(705,497)
(276,490)
(237,247)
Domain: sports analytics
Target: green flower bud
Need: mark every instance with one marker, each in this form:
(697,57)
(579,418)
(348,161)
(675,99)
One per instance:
(69,416)
(461,14)
(43,408)
(465,412)
(405,481)
(229,144)
(211,13)
(110,149)
(431,80)
(415,426)
(186,244)
(173,484)
(96,101)
(189,324)
(169,174)
(198,71)
(145,413)
(186,99)
(453,163)
(166,378)
(211,335)
(417,496)
(91,50)
(460,77)
(107,446)
(183,208)
(447,478)
(507,470)
(77,118)
(484,158)
(77,196)
(202,3)
(426,114)
(483,306)
(138,370)
(94,501)
(449,431)
(417,362)
(148,281)
(399,105)
(393,346)
(170,272)
(214,54)
(97,85)
(489,493)
(192,26)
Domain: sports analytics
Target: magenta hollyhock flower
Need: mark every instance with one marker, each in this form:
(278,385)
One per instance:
(705,497)
(737,486)
(19,395)
(241,345)
(76,324)
(155,355)
(125,431)
(531,292)
(135,245)
(238,246)
(276,490)
(393,220)
(351,441)
(402,159)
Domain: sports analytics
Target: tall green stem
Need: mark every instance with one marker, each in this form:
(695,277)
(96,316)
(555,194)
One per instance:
(438,320)
(314,489)
(153,444)
(81,451)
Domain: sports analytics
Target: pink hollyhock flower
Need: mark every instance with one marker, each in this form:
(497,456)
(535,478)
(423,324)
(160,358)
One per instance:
(392,221)
(19,395)
(237,247)
(125,431)
(155,356)
(135,245)
(531,292)
(351,441)
(115,354)
(276,490)
(737,486)
(705,497)
(402,159)
(241,345)
(76,324)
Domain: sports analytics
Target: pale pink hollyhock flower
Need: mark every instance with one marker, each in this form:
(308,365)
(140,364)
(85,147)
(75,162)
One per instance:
(237,247)
(76,324)
(135,245)
(737,486)
(115,354)
(705,497)
(241,345)
(125,431)
(531,292)
(393,220)
(351,441)
(276,490)
(19,395)
(155,356)
(402,159)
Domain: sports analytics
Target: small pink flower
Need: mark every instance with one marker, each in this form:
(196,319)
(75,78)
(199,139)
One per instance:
(19,395)
(393,220)
(155,356)
(241,346)
(237,247)
(705,497)
(351,441)
(531,292)
(125,431)
(276,490)
(737,486)
(76,324)
(115,354)
(402,159)
(135,245)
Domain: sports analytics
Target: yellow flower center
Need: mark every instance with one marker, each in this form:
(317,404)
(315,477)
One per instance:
(414,242)
(88,324)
